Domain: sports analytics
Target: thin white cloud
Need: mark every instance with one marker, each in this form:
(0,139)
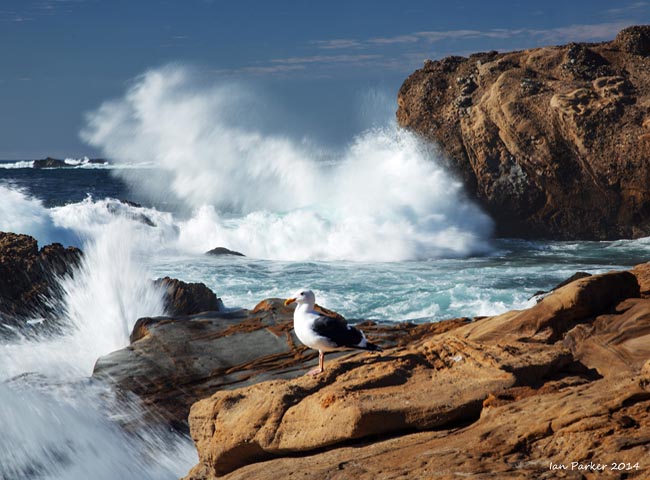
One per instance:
(405,52)
(580,33)
(337,43)
(576,33)
(314,65)
(324,59)
(11,16)
(271,69)
(627,9)
(396,40)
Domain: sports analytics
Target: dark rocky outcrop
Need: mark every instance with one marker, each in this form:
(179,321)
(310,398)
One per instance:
(182,298)
(28,277)
(553,142)
(50,162)
(130,210)
(501,397)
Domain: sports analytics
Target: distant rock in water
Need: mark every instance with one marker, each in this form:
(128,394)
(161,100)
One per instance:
(188,298)
(50,162)
(553,142)
(224,251)
(28,277)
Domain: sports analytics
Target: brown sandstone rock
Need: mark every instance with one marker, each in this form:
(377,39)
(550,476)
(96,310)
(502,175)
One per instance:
(642,274)
(603,422)
(555,314)
(553,142)
(566,381)
(174,361)
(614,343)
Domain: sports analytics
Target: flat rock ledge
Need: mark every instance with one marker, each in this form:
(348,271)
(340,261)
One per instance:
(508,396)
(174,361)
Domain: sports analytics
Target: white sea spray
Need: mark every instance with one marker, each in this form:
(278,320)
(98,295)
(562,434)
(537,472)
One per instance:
(383,197)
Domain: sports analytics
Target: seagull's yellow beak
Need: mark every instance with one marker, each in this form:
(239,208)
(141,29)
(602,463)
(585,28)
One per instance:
(289,301)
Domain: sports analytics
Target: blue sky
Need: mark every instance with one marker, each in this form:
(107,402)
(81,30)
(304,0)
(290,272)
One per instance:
(62,58)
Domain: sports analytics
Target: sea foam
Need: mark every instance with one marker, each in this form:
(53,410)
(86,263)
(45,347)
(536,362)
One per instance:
(383,197)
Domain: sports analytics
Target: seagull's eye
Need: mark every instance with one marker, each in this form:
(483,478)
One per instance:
(302,294)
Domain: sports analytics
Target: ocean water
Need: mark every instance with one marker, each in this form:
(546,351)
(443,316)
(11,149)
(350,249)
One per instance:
(377,228)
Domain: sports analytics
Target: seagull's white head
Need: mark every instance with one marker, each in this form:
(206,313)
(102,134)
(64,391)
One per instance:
(303,297)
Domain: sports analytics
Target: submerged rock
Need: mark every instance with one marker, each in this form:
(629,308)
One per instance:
(224,251)
(553,142)
(121,208)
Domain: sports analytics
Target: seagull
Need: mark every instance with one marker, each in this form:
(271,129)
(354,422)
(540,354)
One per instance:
(323,330)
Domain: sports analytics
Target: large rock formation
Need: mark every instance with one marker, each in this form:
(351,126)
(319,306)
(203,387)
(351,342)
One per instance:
(174,361)
(503,397)
(28,278)
(553,142)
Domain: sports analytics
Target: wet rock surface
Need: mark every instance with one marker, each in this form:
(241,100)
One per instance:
(182,298)
(553,142)
(28,278)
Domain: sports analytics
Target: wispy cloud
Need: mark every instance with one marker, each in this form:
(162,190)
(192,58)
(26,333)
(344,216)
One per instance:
(314,65)
(580,33)
(324,59)
(396,40)
(406,51)
(11,16)
(577,32)
(627,9)
(337,43)
(271,69)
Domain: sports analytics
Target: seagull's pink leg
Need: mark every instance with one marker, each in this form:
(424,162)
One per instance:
(321,361)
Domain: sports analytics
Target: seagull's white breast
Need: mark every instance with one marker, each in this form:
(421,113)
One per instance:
(303,323)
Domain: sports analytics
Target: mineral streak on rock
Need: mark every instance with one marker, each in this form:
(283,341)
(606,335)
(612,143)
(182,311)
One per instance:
(553,142)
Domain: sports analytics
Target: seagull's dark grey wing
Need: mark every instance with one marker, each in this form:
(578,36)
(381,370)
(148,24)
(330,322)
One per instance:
(338,331)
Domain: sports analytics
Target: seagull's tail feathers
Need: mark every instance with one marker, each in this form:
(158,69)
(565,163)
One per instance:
(366,345)
(371,347)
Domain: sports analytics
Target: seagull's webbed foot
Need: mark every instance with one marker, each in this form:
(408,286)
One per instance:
(315,371)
